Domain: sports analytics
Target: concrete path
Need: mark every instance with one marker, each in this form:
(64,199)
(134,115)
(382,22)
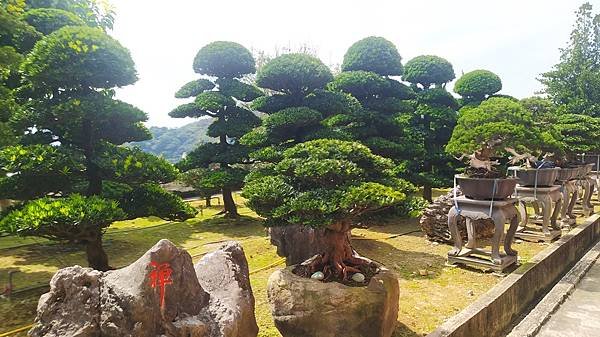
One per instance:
(579,315)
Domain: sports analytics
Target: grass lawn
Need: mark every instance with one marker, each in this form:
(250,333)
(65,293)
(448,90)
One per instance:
(425,301)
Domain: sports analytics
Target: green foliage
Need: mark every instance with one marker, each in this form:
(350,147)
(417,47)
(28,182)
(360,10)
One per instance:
(240,90)
(224,59)
(579,133)
(214,101)
(200,180)
(437,96)
(274,103)
(74,57)
(323,182)
(495,118)
(236,123)
(194,88)
(360,84)
(188,110)
(133,166)
(290,121)
(574,83)
(477,85)
(34,171)
(17,33)
(373,54)
(296,74)
(331,103)
(543,109)
(48,20)
(151,199)
(427,70)
(72,218)
(94,13)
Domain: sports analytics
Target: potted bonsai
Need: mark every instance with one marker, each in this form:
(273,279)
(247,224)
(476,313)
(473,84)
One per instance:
(531,171)
(329,184)
(487,131)
(579,134)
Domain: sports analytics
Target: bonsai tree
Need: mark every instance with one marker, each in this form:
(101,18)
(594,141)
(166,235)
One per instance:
(477,85)
(434,120)
(227,63)
(48,20)
(497,123)
(202,182)
(383,123)
(327,184)
(298,107)
(578,134)
(72,130)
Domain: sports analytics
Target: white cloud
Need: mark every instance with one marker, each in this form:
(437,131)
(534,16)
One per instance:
(517,39)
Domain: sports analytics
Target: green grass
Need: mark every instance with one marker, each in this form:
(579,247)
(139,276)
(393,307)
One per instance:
(425,301)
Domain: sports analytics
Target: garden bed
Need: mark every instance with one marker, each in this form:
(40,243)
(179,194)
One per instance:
(425,300)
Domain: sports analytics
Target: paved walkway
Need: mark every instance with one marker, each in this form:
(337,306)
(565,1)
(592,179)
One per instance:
(579,316)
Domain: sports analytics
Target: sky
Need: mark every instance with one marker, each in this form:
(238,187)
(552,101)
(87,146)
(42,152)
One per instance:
(516,39)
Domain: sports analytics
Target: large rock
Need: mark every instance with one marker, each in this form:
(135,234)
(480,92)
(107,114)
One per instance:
(303,307)
(225,275)
(434,221)
(84,302)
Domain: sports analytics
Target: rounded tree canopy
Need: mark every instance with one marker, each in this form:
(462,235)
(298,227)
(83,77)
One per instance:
(194,88)
(499,118)
(437,96)
(324,181)
(427,70)
(224,59)
(360,84)
(478,84)
(579,133)
(75,57)
(294,74)
(16,33)
(48,20)
(374,54)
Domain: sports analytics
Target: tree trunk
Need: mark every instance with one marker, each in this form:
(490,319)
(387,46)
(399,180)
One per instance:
(428,193)
(92,170)
(207,200)
(229,203)
(339,258)
(96,255)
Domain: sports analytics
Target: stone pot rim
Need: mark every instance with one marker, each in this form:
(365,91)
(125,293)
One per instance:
(464,176)
(372,282)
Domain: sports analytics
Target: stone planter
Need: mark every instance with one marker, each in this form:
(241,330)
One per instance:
(527,176)
(303,307)
(483,188)
(567,173)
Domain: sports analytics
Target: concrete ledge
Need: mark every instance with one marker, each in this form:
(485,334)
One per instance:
(494,312)
(534,320)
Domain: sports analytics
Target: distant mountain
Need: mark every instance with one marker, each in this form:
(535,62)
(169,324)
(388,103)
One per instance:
(173,143)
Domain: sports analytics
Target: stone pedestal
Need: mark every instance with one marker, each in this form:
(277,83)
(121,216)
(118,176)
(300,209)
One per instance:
(569,191)
(303,307)
(500,212)
(586,190)
(549,200)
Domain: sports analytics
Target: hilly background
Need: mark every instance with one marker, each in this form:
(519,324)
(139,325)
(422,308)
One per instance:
(173,143)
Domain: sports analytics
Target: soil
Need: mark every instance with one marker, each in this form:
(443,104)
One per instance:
(369,270)
(483,173)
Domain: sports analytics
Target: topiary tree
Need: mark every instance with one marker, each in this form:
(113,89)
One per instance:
(434,119)
(48,20)
(384,123)
(496,118)
(72,130)
(329,184)
(200,180)
(74,218)
(297,108)
(374,54)
(219,99)
(427,70)
(477,85)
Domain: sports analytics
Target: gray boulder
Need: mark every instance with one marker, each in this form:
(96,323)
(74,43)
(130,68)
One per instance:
(303,307)
(84,302)
(225,276)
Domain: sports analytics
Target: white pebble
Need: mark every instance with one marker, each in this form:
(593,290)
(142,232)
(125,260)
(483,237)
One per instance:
(358,277)
(317,276)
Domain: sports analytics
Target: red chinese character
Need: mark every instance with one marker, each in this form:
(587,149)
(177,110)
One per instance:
(160,277)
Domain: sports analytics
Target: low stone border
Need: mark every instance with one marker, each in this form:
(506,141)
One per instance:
(534,320)
(494,312)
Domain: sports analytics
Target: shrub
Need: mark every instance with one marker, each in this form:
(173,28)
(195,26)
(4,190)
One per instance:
(427,70)
(224,59)
(295,74)
(151,199)
(374,54)
(79,57)
(48,20)
(478,85)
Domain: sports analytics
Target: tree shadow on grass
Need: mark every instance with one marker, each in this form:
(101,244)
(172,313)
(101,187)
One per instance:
(404,331)
(405,263)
